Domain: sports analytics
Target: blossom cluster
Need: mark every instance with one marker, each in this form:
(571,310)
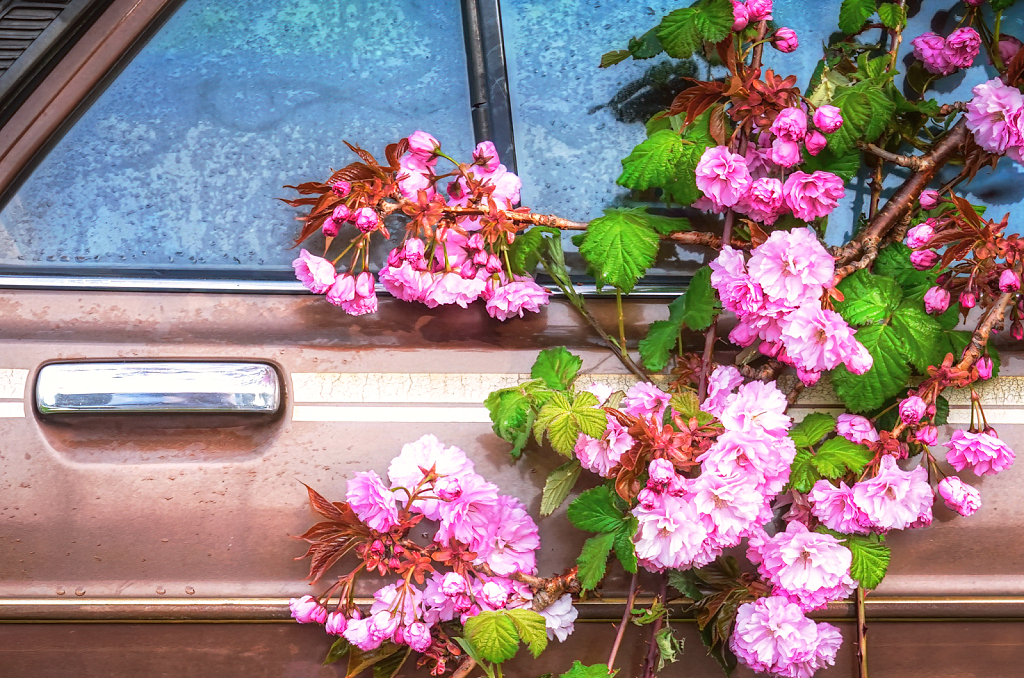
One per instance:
(943,56)
(751,11)
(776,296)
(995,114)
(774,636)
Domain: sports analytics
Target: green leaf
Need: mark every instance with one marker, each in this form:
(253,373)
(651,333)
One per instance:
(949,318)
(644,616)
(894,262)
(886,377)
(941,411)
(696,309)
(870,559)
(845,165)
(653,162)
(714,20)
(338,650)
(667,225)
(389,668)
(558,486)
(682,190)
(595,511)
(564,421)
(593,560)
(494,636)
(700,302)
(678,33)
(892,16)
(868,298)
(669,647)
(578,670)
(625,550)
(685,583)
(557,368)
(619,248)
(359,661)
(525,251)
(812,429)
(802,473)
(685,403)
(921,335)
(531,628)
(837,456)
(656,347)
(614,57)
(1000,5)
(854,13)
(866,110)
(646,46)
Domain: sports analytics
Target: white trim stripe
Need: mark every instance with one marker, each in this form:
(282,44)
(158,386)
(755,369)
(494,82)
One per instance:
(12,383)
(391,414)
(12,410)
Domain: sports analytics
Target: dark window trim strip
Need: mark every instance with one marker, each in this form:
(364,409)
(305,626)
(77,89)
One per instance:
(488,77)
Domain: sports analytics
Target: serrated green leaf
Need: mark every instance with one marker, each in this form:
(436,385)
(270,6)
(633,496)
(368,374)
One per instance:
(949,318)
(557,367)
(389,668)
(512,416)
(894,262)
(685,583)
(826,88)
(646,46)
(339,649)
(844,166)
(812,429)
(494,635)
(563,420)
(854,13)
(619,248)
(685,403)
(941,411)
(700,303)
(558,486)
(802,473)
(678,33)
(886,377)
(837,456)
(892,16)
(868,298)
(870,560)
(359,661)
(866,110)
(578,670)
(714,20)
(593,560)
(669,647)
(696,309)
(525,251)
(595,511)
(921,335)
(531,628)
(625,550)
(656,347)
(653,162)
(1000,5)
(682,190)
(613,57)
(667,225)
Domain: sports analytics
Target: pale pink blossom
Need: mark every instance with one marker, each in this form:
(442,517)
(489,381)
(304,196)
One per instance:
(817,339)
(409,469)
(856,429)
(737,290)
(936,300)
(994,116)
(772,635)
(600,456)
(792,266)
(930,49)
(513,298)
(373,503)
(335,624)
(722,176)
(452,288)
(467,518)
(669,535)
(790,124)
(422,144)
(343,290)
(316,273)
(730,506)
(559,618)
(511,546)
(763,201)
(644,399)
(763,458)
(1008,48)
(307,610)
(927,434)
(894,499)
(962,46)
(809,568)
(757,406)
(828,118)
(486,155)
(984,453)
(835,508)
(815,195)
(959,496)
(358,632)
(1009,281)
(406,282)
(723,379)
(414,175)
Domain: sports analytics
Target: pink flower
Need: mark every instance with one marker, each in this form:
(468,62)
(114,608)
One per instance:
(911,410)
(522,294)
(721,383)
(755,455)
(415,174)
(740,15)
(405,282)
(341,188)
(335,624)
(365,299)
(512,546)
(452,288)
(422,144)
(358,632)
(986,454)
(330,227)
(968,299)
(835,508)
(644,399)
(919,236)
(772,635)
(722,176)
(785,153)
(316,273)
(790,124)
(856,429)
(828,118)
(307,610)
(927,434)
(343,290)
(755,407)
(669,535)
(600,456)
(808,568)
(559,617)
(1008,48)
(763,201)
(792,266)
(817,339)
(373,503)
(785,40)
(929,199)
(418,458)
(730,506)
(985,367)
(930,49)
(959,496)
(729,276)
(936,300)
(815,142)
(467,518)
(962,45)
(417,636)
(894,499)
(759,10)
(1009,281)
(366,219)
(812,195)
(994,116)
(922,260)
(486,155)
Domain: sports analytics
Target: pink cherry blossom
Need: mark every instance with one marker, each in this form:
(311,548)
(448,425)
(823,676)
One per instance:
(763,458)
(467,517)
(330,227)
(559,618)
(486,155)
(912,409)
(365,299)
(930,49)
(763,201)
(959,496)
(785,153)
(984,453)
(452,288)
(994,116)
(757,406)
(343,290)
(929,199)
(723,379)
(936,300)
(835,508)
(740,15)
(815,142)
(512,299)
(817,339)
(856,429)
(406,282)
(414,175)
(730,507)
(760,10)
(722,176)
(785,40)
(894,499)
(808,568)
(962,45)
(812,195)
(644,399)
(600,456)
(511,547)
(316,273)
(1008,48)
(423,144)
(737,290)
(792,265)
(669,535)
(790,124)
(772,635)
(1009,281)
(366,219)
(922,260)
(828,118)
(373,503)
(307,610)
(418,458)
(920,235)
(335,624)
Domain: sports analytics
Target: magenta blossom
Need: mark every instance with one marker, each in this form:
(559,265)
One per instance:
(922,260)
(409,469)
(772,635)
(722,176)
(600,456)
(316,273)
(740,15)
(1009,281)
(1008,48)
(919,236)
(365,299)
(828,118)
(929,199)
(790,124)
(984,453)
(936,300)
(836,509)
(366,219)
(968,299)
(423,144)
(373,503)
(856,429)
(644,399)
(912,409)
(785,153)
(405,282)
(985,367)
(815,142)
(759,10)
(792,266)
(452,288)
(511,547)
(894,499)
(785,40)
(307,610)
(330,227)
(335,624)
(930,49)
(763,202)
(812,195)
(343,290)
(959,496)
(512,299)
(962,45)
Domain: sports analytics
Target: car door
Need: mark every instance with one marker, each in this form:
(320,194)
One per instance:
(166,384)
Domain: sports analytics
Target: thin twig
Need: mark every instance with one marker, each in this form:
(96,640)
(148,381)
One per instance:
(463,670)
(652,649)
(910,161)
(625,621)
(862,635)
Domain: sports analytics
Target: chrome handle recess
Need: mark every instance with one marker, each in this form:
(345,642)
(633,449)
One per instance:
(164,387)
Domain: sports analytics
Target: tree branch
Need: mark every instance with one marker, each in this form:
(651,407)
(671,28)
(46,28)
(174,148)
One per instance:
(911,161)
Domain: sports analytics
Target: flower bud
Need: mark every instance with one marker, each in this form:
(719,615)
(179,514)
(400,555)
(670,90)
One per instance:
(343,289)
(928,435)
(475,242)
(922,260)
(785,153)
(414,249)
(1017,330)
(968,299)
(366,219)
(828,118)
(1009,281)
(495,594)
(493,264)
(936,300)
(448,488)
(330,227)
(364,284)
(341,213)
(335,624)
(467,271)
(815,142)
(759,10)
(453,584)
(808,377)
(919,236)
(480,258)
(929,199)
(785,40)
(1008,48)
(911,410)
(740,16)
(959,496)
(341,188)
(422,144)
(394,258)
(660,473)
(984,366)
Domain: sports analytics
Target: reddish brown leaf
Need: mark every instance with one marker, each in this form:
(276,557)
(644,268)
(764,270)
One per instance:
(1015,69)
(717,124)
(364,154)
(324,507)
(966,211)
(300,202)
(757,235)
(322,530)
(310,187)
(695,100)
(325,555)
(394,152)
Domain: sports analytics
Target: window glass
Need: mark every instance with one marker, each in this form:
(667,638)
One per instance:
(179,162)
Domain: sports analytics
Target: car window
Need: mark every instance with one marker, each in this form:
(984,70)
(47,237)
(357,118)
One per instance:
(179,162)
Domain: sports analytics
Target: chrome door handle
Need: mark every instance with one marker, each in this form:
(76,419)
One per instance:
(164,387)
